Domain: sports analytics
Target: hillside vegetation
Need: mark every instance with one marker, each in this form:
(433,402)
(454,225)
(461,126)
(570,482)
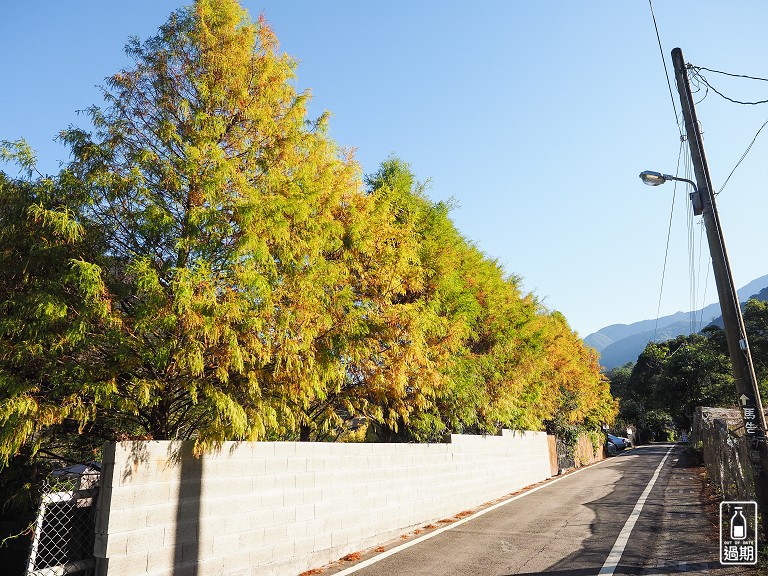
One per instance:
(660,391)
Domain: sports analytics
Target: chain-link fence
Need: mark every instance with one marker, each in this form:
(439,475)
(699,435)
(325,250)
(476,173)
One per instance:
(719,434)
(65,526)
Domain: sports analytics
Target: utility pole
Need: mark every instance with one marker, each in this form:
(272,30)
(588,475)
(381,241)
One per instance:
(736,335)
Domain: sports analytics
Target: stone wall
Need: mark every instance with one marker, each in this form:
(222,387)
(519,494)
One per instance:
(718,434)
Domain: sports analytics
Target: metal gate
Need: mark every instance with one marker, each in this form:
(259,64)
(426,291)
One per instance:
(65,527)
(565,456)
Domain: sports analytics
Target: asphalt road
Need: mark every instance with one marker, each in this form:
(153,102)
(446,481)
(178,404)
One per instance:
(572,527)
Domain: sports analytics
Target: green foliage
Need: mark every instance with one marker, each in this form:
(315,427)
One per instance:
(756,324)
(670,379)
(597,440)
(51,304)
(211,266)
(20,153)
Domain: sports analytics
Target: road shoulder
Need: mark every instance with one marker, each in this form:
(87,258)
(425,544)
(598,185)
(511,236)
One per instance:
(685,526)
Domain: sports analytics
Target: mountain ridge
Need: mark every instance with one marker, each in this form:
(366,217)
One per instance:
(618,344)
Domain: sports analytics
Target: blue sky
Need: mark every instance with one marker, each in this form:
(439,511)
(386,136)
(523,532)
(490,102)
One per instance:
(535,117)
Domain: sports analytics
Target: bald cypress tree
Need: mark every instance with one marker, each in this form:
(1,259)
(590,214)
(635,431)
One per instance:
(218,206)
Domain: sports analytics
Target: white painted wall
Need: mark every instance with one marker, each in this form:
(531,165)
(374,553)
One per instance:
(277,508)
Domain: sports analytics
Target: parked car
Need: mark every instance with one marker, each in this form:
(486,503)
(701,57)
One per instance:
(618,442)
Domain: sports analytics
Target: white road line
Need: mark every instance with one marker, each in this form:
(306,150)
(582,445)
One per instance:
(612,562)
(402,547)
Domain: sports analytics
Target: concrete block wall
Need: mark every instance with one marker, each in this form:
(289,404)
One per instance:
(269,508)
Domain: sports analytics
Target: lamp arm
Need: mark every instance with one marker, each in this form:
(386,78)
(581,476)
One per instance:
(691,182)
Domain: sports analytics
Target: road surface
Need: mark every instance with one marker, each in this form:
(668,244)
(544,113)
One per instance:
(640,513)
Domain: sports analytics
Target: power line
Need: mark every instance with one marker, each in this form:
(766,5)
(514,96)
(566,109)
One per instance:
(695,70)
(666,72)
(666,250)
(704,298)
(698,274)
(731,74)
(699,79)
(695,82)
(742,157)
(692,286)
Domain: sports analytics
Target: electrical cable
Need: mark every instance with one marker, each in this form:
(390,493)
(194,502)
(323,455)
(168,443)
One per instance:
(696,88)
(698,275)
(666,250)
(691,253)
(731,74)
(704,297)
(666,71)
(700,77)
(721,251)
(706,93)
(742,157)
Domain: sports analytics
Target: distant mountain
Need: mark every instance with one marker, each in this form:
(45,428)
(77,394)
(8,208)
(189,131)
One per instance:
(762,295)
(622,343)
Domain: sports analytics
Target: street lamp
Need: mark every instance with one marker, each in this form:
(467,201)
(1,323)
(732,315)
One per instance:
(657,179)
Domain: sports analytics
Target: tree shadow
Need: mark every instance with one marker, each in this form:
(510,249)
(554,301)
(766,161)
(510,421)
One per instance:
(188,509)
(609,520)
(609,515)
(667,568)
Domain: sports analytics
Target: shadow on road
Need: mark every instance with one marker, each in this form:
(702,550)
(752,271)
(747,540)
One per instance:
(611,512)
(673,534)
(669,567)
